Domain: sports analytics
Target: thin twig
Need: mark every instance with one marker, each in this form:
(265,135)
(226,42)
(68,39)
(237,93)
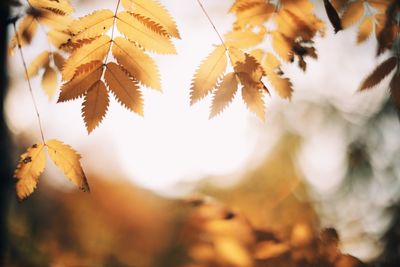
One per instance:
(29,83)
(212,24)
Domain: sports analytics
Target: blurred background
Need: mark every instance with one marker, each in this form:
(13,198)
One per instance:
(329,158)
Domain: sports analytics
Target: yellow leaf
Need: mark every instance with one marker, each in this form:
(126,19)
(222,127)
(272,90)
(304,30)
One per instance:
(92,25)
(255,14)
(68,161)
(86,75)
(95,106)
(282,46)
(124,88)
(282,85)
(248,69)
(245,38)
(353,13)
(208,73)
(95,50)
(365,29)
(224,94)
(49,81)
(153,10)
(62,5)
(41,61)
(25,32)
(253,98)
(58,38)
(30,166)
(137,63)
(54,21)
(59,60)
(137,28)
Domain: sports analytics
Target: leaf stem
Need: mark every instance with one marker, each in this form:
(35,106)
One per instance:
(29,83)
(112,32)
(212,24)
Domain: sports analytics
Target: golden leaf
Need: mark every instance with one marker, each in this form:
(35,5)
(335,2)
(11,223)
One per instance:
(95,106)
(365,29)
(136,28)
(68,161)
(137,63)
(58,38)
(92,25)
(249,70)
(124,88)
(253,98)
(63,5)
(245,39)
(30,166)
(41,61)
(25,32)
(255,14)
(379,73)
(59,60)
(353,13)
(282,46)
(85,76)
(224,94)
(155,11)
(54,21)
(49,81)
(282,85)
(208,73)
(96,50)
(241,5)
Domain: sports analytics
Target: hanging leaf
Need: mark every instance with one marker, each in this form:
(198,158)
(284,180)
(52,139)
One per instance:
(282,85)
(30,167)
(379,73)
(39,62)
(333,16)
(124,88)
(137,63)
(155,11)
(68,161)
(49,81)
(85,76)
(95,105)
(253,97)
(207,74)
(224,94)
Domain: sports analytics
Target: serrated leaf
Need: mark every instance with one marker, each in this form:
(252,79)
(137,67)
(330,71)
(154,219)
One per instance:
(365,29)
(155,11)
(224,94)
(85,76)
(255,14)
(96,50)
(30,167)
(92,25)
(353,13)
(54,21)
(49,81)
(248,69)
(63,5)
(138,29)
(379,73)
(95,105)
(124,88)
(137,63)
(207,74)
(253,98)
(68,161)
(58,38)
(39,62)
(282,85)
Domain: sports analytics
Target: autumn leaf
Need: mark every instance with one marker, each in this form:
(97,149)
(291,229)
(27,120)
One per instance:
(353,13)
(95,105)
(253,98)
(379,73)
(124,88)
(155,11)
(49,81)
(365,29)
(224,94)
(68,161)
(282,85)
(25,32)
(208,73)
(39,62)
(85,76)
(30,167)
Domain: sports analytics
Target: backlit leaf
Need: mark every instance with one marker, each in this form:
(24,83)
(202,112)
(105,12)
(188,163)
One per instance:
(49,81)
(39,62)
(95,105)
(224,94)
(253,98)
(353,13)
(208,73)
(124,88)
(68,161)
(136,62)
(30,167)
